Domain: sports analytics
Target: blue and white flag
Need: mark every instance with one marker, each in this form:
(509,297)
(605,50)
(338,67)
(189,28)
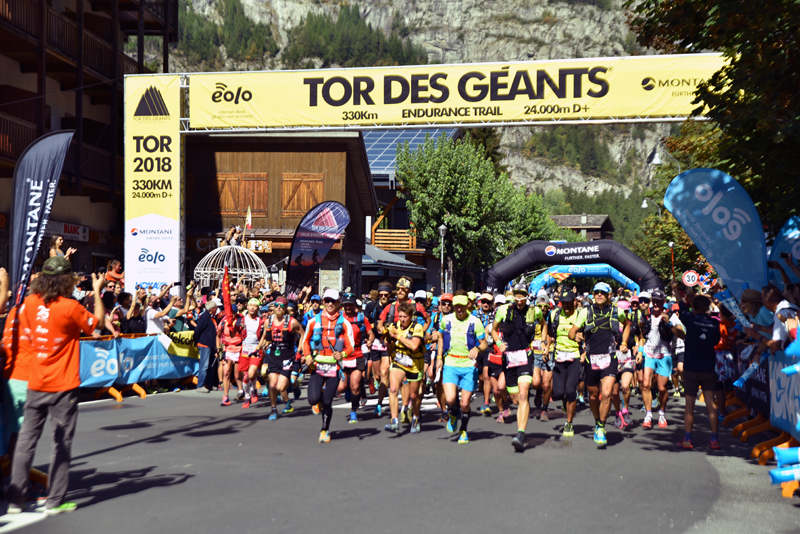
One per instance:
(787,243)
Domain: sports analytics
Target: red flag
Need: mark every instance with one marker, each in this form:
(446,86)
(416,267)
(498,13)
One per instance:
(226,297)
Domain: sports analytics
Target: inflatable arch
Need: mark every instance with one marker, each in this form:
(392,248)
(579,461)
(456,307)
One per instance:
(602,251)
(592,270)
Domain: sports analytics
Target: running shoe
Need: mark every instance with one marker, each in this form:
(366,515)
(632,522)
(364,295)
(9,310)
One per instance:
(648,421)
(415,426)
(537,399)
(246,404)
(581,400)
(662,421)
(273,416)
(451,423)
(63,508)
(500,418)
(714,444)
(463,438)
(618,421)
(226,401)
(315,408)
(404,417)
(279,399)
(378,411)
(654,404)
(676,393)
(372,388)
(626,418)
(264,392)
(720,416)
(544,416)
(518,443)
(254,397)
(14,509)
(569,430)
(325,436)
(486,410)
(240,396)
(394,426)
(600,436)
(288,409)
(444,416)
(363,400)
(353,418)
(685,444)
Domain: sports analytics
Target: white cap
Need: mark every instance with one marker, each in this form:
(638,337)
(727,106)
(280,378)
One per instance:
(500,299)
(330,294)
(644,294)
(217,302)
(421,294)
(542,296)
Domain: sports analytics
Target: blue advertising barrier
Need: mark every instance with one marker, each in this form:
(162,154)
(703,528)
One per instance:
(590,270)
(785,394)
(124,361)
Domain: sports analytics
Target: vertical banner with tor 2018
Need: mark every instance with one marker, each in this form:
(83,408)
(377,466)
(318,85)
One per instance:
(152,181)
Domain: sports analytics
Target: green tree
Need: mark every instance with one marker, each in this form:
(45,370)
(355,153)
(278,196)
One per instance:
(451,182)
(488,141)
(652,244)
(754,100)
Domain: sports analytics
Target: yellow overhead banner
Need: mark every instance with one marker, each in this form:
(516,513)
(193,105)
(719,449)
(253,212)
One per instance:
(152,180)
(580,89)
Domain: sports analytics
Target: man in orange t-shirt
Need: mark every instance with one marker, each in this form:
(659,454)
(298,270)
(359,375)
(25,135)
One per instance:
(50,326)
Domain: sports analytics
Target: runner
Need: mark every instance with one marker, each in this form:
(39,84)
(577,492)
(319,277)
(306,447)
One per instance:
(327,340)
(542,362)
(314,304)
(600,325)
(566,372)
(354,365)
(250,358)
(627,362)
(485,314)
(658,360)
(517,324)
(378,354)
(445,309)
(462,339)
(405,350)
(278,339)
(231,335)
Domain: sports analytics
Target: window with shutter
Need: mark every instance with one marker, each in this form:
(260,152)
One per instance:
(253,192)
(227,199)
(300,192)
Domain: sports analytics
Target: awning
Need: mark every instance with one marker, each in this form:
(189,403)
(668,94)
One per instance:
(378,262)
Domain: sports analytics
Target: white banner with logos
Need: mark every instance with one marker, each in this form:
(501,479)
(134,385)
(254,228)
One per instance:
(152,257)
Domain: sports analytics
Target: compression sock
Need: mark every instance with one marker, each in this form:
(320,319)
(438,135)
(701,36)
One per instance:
(714,437)
(354,400)
(601,424)
(687,436)
(465,420)
(327,413)
(246,385)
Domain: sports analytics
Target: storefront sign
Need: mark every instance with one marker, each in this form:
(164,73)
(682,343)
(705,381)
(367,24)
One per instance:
(73,232)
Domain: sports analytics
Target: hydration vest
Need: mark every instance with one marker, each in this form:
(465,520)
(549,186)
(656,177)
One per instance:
(338,331)
(285,341)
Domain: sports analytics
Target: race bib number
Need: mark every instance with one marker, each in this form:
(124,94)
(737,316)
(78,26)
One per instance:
(600,361)
(536,344)
(564,356)
(327,370)
(516,358)
(623,357)
(403,359)
(232,356)
(249,348)
(377,345)
(364,349)
(350,364)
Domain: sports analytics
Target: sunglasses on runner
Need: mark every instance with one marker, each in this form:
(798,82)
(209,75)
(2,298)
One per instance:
(645,301)
(280,305)
(485,301)
(385,295)
(445,303)
(328,301)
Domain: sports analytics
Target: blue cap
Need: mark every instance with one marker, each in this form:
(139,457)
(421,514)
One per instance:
(315,297)
(602,286)
(435,301)
(264,309)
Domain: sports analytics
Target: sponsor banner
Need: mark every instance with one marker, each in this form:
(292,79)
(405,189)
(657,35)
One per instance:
(124,361)
(33,190)
(592,270)
(152,181)
(319,229)
(786,245)
(719,216)
(756,389)
(726,299)
(75,232)
(579,89)
(785,400)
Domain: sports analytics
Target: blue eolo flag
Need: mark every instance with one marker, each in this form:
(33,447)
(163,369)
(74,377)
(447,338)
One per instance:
(34,189)
(319,229)
(719,216)
(786,245)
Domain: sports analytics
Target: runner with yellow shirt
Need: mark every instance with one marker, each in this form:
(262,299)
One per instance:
(567,370)
(406,354)
(462,339)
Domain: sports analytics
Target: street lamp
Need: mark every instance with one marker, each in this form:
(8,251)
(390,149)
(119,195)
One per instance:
(645,206)
(655,158)
(442,233)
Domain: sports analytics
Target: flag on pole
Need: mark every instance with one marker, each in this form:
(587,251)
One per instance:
(560,276)
(226,297)
(249,222)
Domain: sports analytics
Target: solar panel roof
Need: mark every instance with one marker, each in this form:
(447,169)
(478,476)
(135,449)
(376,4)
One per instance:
(382,145)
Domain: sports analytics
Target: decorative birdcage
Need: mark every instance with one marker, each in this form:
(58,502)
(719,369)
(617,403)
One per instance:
(242,265)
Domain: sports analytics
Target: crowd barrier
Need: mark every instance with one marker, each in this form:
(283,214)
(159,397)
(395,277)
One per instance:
(116,364)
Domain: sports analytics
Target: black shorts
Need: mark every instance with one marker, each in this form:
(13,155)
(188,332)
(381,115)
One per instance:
(376,355)
(275,365)
(361,364)
(519,373)
(594,376)
(480,361)
(429,356)
(411,377)
(707,380)
(678,358)
(495,369)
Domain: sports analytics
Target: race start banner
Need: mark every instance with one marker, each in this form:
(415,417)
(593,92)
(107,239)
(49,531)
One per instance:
(617,88)
(152,181)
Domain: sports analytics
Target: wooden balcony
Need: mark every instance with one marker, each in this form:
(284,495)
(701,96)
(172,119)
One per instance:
(399,240)
(96,165)
(15,135)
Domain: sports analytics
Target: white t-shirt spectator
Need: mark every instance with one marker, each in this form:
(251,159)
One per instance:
(154,326)
(654,347)
(779,330)
(675,321)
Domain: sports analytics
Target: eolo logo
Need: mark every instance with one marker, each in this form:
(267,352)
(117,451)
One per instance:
(222,93)
(550,250)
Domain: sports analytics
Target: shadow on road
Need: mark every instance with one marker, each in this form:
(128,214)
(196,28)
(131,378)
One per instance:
(90,486)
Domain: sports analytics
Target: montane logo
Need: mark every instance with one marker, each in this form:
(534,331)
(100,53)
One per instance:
(151,104)
(648,84)
(134,231)
(571,250)
(550,251)
(222,93)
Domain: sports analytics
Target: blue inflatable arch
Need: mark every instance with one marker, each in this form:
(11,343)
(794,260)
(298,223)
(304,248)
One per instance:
(591,270)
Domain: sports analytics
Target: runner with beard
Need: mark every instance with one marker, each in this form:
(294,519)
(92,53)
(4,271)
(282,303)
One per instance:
(485,314)
(279,339)
(355,365)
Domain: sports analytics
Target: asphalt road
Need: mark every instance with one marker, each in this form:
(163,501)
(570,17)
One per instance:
(179,462)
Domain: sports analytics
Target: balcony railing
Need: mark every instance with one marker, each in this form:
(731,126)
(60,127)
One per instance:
(24,14)
(96,164)
(97,55)
(62,34)
(394,239)
(15,135)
